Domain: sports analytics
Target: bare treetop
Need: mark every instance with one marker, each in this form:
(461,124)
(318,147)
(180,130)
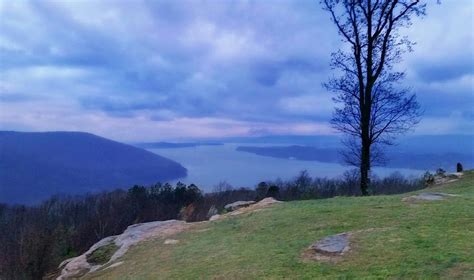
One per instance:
(375,108)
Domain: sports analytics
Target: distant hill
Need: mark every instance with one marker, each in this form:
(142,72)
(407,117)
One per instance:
(34,166)
(169,145)
(403,157)
(423,144)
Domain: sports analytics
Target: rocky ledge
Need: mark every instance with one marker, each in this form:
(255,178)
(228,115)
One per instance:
(79,266)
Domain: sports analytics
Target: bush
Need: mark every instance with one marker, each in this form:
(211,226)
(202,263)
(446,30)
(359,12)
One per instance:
(428,178)
(440,172)
(273,191)
(262,190)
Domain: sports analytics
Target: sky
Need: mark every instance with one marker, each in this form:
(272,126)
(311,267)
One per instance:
(170,70)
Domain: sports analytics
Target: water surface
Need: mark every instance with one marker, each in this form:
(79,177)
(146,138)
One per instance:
(209,165)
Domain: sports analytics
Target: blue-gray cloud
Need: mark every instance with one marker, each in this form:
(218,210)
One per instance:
(250,66)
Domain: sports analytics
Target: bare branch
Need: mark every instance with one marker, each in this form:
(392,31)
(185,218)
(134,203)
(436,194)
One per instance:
(372,108)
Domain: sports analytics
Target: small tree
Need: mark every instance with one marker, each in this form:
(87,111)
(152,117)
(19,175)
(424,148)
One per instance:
(273,191)
(373,108)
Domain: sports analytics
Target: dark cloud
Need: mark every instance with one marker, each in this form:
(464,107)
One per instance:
(440,71)
(247,63)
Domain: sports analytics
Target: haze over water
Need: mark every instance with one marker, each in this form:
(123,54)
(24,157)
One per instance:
(209,165)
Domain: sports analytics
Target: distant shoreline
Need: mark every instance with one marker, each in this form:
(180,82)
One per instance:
(395,159)
(169,145)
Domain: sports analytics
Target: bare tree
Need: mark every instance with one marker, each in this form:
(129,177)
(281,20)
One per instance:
(373,107)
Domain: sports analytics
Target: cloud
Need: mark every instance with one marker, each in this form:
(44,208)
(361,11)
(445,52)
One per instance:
(308,105)
(196,69)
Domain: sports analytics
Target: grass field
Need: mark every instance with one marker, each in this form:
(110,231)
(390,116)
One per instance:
(392,239)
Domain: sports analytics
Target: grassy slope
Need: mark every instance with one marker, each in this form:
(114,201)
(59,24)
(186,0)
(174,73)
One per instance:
(424,241)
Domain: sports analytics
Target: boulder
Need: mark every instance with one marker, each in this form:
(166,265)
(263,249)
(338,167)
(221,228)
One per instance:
(212,211)
(332,245)
(214,217)
(78,266)
(441,177)
(266,202)
(238,204)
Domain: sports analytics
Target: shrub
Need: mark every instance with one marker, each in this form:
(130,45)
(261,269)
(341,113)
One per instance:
(440,172)
(273,191)
(428,178)
(262,190)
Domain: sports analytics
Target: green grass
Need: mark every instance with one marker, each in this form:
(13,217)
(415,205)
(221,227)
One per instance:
(103,254)
(426,240)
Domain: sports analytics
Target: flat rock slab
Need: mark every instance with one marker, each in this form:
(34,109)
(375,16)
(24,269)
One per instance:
(77,267)
(238,204)
(428,196)
(334,244)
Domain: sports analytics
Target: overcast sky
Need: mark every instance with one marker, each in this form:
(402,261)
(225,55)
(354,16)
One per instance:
(155,70)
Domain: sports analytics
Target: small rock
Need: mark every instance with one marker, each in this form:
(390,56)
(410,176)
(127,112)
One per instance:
(171,241)
(214,217)
(212,211)
(238,204)
(334,244)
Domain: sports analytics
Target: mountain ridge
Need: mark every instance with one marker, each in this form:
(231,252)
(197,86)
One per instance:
(36,165)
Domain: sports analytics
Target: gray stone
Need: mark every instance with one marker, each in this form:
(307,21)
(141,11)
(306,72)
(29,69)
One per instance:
(431,196)
(428,196)
(334,244)
(171,241)
(78,266)
(212,211)
(447,178)
(214,217)
(238,204)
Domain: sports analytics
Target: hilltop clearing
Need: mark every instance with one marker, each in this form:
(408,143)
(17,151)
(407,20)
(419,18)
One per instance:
(390,237)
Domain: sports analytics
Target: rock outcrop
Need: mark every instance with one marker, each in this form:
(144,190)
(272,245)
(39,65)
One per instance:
(215,217)
(212,211)
(238,204)
(79,266)
(440,179)
(250,205)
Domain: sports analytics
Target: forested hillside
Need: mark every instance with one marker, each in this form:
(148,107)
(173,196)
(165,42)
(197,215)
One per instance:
(34,166)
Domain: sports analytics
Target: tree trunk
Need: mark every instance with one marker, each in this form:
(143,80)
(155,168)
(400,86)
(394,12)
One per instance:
(365,141)
(365,168)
